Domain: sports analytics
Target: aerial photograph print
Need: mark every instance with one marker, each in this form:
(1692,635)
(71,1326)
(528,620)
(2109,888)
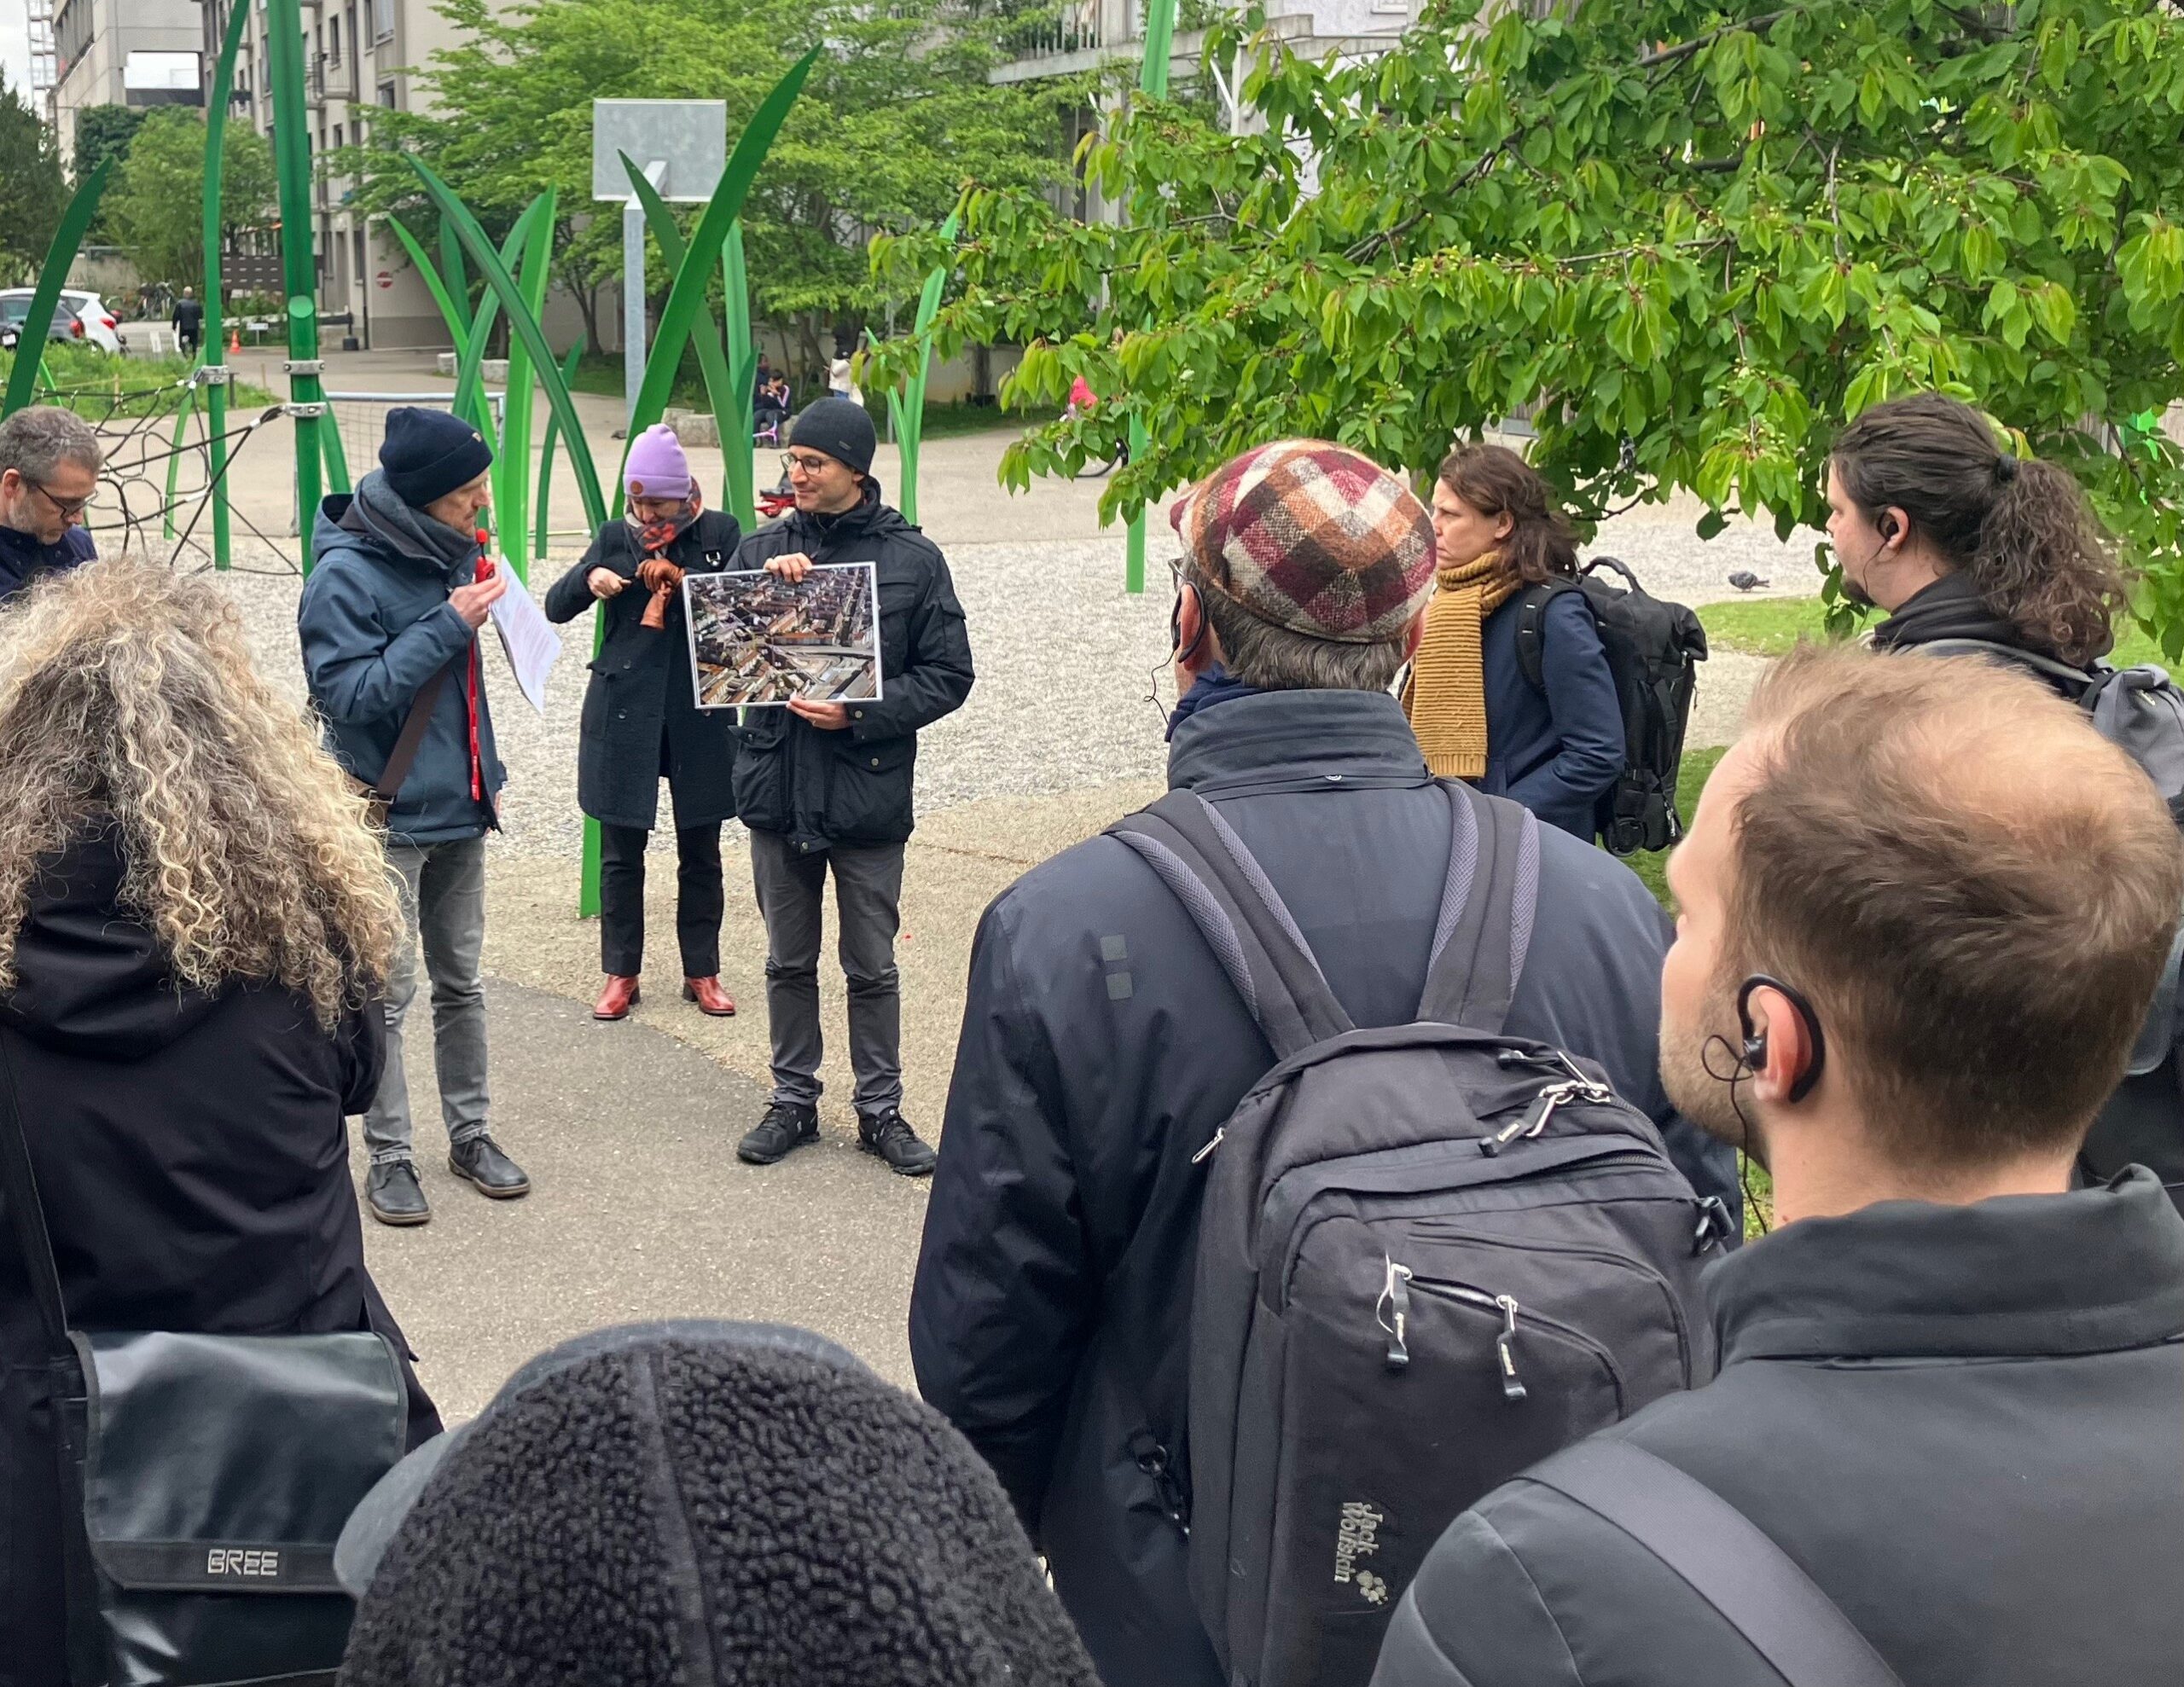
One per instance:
(758,640)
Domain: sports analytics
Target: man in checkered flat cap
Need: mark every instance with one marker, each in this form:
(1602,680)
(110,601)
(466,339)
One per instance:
(1103,1043)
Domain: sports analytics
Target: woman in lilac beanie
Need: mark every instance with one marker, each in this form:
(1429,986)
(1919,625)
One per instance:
(642,722)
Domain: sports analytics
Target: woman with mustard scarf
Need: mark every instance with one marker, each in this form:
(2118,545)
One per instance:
(1558,747)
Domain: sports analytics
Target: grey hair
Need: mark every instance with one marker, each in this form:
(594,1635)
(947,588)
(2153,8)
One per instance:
(1274,658)
(37,439)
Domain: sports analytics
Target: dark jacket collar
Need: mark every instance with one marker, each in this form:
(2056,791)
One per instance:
(1216,684)
(1950,608)
(1295,740)
(2089,1272)
(868,515)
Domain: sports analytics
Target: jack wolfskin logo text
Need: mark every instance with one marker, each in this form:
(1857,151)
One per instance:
(239,1560)
(1357,1536)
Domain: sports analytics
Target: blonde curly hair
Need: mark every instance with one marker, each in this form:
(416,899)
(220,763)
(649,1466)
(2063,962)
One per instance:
(127,698)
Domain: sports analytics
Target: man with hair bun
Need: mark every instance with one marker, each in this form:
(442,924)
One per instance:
(49,463)
(1923,906)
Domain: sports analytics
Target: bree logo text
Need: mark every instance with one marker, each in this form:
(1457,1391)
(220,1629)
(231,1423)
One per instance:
(240,1560)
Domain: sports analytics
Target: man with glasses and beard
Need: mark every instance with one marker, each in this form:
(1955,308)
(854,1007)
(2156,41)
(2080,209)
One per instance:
(49,463)
(822,784)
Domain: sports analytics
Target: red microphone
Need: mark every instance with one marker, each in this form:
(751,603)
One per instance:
(484,562)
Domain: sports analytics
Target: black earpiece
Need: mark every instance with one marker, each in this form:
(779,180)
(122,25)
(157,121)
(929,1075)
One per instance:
(1755,1041)
(1886,526)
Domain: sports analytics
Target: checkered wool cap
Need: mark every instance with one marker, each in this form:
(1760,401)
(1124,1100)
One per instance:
(1312,537)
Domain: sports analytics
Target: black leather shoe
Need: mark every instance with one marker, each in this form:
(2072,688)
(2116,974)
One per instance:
(481,1163)
(890,1137)
(785,1127)
(394,1194)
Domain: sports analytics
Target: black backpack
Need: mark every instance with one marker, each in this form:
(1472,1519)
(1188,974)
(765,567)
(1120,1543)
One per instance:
(1653,650)
(1430,1255)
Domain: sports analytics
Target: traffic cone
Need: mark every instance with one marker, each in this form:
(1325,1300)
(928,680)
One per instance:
(235,340)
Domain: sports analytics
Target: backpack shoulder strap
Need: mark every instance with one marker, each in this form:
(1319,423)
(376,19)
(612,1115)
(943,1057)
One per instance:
(2074,683)
(1727,1560)
(1199,857)
(1487,902)
(1532,629)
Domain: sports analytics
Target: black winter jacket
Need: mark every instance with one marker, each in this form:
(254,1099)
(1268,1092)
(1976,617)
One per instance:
(855,786)
(1102,1044)
(23,557)
(640,713)
(1962,1422)
(194,1166)
(2143,1123)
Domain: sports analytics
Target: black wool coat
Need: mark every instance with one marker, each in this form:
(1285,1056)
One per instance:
(640,715)
(194,1166)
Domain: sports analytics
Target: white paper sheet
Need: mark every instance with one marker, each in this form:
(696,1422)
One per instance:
(527,637)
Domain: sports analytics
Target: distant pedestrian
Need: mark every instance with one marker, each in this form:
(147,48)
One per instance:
(49,464)
(194,928)
(1103,1041)
(642,722)
(389,622)
(826,786)
(1556,747)
(698,1504)
(1922,913)
(188,323)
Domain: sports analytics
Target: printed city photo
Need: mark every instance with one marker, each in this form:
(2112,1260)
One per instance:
(756,640)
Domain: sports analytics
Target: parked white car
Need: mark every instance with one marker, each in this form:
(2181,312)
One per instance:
(77,315)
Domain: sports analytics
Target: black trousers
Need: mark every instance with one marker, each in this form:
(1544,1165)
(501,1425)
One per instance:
(699,899)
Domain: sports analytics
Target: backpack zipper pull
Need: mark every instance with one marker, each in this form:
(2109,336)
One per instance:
(1206,1152)
(1505,1349)
(1532,1120)
(1392,1313)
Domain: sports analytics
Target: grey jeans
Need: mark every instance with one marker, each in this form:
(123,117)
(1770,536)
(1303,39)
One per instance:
(444,911)
(867,901)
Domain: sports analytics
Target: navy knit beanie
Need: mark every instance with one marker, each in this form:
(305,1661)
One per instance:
(427,454)
(841,429)
(708,1504)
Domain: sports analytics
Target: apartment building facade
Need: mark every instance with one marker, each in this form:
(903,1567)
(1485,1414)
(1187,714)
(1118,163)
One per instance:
(359,56)
(121,53)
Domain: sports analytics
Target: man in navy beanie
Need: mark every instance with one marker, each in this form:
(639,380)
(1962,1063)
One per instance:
(828,785)
(389,621)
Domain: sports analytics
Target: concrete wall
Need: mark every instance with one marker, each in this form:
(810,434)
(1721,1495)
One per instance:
(95,38)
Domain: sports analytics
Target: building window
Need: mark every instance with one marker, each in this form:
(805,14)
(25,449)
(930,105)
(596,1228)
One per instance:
(386,95)
(334,42)
(383,19)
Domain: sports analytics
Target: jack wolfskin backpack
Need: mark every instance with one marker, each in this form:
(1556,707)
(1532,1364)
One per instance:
(1430,1255)
(1653,650)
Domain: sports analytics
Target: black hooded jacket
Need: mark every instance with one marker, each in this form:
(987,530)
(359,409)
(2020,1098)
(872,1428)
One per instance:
(854,786)
(193,1163)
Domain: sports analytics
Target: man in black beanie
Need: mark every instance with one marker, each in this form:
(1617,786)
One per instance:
(698,1504)
(389,622)
(821,783)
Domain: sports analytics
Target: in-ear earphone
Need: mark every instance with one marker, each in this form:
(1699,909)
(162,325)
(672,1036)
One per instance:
(1754,1052)
(1887,528)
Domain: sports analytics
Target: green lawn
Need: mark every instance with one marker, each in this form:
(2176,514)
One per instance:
(97,384)
(1772,626)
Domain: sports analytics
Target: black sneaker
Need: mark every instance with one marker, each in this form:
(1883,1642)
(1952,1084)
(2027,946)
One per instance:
(889,1135)
(786,1125)
(481,1163)
(394,1195)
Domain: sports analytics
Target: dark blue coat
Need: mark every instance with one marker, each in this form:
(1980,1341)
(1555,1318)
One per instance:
(1050,1318)
(23,558)
(1554,750)
(376,624)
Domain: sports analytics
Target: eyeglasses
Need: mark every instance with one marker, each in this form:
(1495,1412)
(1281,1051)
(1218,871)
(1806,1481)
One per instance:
(814,464)
(67,509)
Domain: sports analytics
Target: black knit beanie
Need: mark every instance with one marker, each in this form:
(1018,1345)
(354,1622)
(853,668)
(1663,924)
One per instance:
(427,454)
(840,428)
(711,1504)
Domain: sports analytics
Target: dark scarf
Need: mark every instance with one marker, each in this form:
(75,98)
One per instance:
(1216,684)
(1950,608)
(377,512)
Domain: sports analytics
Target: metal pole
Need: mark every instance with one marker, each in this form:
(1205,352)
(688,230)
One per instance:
(214,344)
(1151,80)
(285,41)
(633,304)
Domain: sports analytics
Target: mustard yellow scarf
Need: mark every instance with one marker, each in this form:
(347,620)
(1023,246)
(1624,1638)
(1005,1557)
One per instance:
(1446,697)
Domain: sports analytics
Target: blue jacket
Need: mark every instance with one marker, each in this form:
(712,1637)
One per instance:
(1050,1321)
(376,624)
(1556,751)
(23,558)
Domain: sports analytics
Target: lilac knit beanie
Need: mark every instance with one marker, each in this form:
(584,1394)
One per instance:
(657,467)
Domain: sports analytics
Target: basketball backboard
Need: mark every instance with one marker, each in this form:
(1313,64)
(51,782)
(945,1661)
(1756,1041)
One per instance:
(689,137)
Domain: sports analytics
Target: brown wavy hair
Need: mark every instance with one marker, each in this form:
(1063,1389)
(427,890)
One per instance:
(128,699)
(2018,528)
(1494,480)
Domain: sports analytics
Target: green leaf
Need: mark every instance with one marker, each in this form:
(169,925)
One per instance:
(457,323)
